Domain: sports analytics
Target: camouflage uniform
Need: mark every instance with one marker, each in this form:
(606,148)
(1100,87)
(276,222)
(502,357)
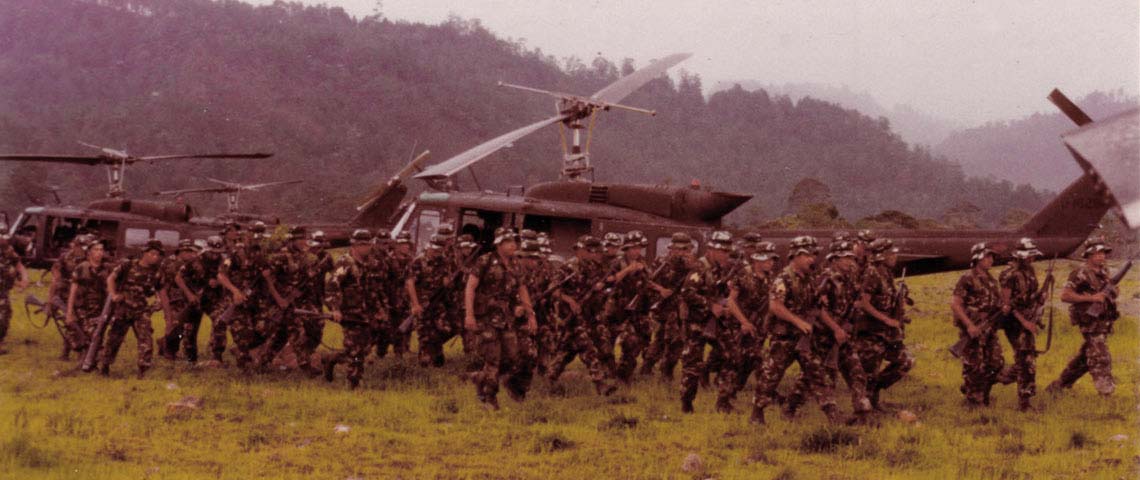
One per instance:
(837,293)
(431,273)
(1021,280)
(981,357)
(797,292)
(753,299)
(243,267)
(875,342)
(348,292)
(309,330)
(289,268)
(630,325)
(399,308)
(200,277)
(203,272)
(580,335)
(495,300)
(380,277)
(1096,323)
(9,275)
(90,296)
(668,340)
(63,271)
(135,282)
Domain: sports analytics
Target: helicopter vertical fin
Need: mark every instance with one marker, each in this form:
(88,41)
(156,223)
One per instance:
(1075,212)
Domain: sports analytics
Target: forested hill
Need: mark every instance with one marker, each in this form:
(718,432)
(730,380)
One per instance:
(343,101)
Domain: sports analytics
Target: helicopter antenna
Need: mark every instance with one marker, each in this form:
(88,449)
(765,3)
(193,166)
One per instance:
(572,110)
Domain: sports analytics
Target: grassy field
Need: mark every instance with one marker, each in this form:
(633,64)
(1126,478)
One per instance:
(413,423)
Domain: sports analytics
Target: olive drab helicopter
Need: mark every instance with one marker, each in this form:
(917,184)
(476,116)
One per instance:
(575,205)
(126,224)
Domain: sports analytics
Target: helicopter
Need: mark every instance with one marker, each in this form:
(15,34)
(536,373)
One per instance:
(575,205)
(232,190)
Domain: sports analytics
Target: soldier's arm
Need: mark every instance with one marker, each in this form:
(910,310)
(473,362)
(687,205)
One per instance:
(864,304)
(531,320)
(69,315)
(1069,295)
(112,289)
(413,296)
(957,305)
(734,308)
(54,285)
(181,283)
(781,312)
(267,275)
(224,279)
(22,283)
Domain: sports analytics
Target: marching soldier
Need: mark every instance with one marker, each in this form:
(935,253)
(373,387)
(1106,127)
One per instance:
(401,258)
(976,305)
(348,298)
(753,300)
(668,340)
(837,294)
(612,243)
(582,280)
(493,298)
(241,275)
(177,309)
(793,302)
(699,296)
(286,275)
(1021,301)
(307,333)
(87,292)
(62,271)
(382,284)
(428,275)
(129,286)
(879,336)
(628,309)
(734,333)
(1091,294)
(12,274)
(197,279)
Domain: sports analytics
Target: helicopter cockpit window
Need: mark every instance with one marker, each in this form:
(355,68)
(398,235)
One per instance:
(168,238)
(425,227)
(136,237)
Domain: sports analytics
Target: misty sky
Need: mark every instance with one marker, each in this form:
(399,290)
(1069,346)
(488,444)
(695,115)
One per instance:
(968,62)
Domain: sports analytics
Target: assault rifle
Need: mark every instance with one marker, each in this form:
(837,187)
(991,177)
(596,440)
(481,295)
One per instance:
(51,313)
(406,325)
(1043,297)
(712,326)
(636,300)
(1108,308)
(902,300)
(986,326)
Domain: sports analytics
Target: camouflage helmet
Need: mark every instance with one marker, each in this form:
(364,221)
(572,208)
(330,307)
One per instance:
(466,237)
(187,245)
(802,245)
(720,240)
(361,236)
(634,239)
(865,236)
(1094,245)
(843,236)
(437,242)
(505,234)
(613,239)
(680,241)
(589,243)
(445,229)
(153,245)
(383,235)
(230,226)
(1026,248)
(530,249)
(764,251)
(880,247)
(842,248)
(979,251)
(527,234)
(404,238)
(215,243)
(319,236)
(84,239)
(257,227)
(752,237)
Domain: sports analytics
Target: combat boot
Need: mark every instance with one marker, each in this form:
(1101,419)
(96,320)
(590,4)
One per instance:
(686,405)
(491,403)
(873,397)
(757,417)
(1054,388)
(353,383)
(724,405)
(328,367)
(1023,404)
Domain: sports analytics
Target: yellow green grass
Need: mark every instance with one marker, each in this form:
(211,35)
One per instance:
(413,423)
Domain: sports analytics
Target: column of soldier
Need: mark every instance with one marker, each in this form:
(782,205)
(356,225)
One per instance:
(741,309)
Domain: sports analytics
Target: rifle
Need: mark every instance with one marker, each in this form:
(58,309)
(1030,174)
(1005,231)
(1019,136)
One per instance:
(986,326)
(406,325)
(712,326)
(51,312)
(313,313)
(1108,308)
(1043,299)
(636,300)
(657,305)
(97,338)
(902,300)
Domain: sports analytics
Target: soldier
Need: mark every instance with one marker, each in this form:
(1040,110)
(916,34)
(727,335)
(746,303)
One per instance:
(732,331)
(879,336)
(429,278)
(976,306)
(348,298)
(197,279)
(627,309)
(12,273)
(493,298)
(62,271)
(612,242)
(668,340)
(306,337)
(401,258)
(837,295)
(862,243)
(87,292)
(582,282)
(130,285)
(1021,300)
(178,311)
(231,234)
(241,273)
(1092,297)
(464,255)
(537,279)
(383,285)
(753,300)
(286,276)
(793,302)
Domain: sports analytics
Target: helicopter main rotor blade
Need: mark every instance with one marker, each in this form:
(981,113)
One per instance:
(205,155)
(454,164)
(197,190)
(77,159)
(626,85)
(256,186)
